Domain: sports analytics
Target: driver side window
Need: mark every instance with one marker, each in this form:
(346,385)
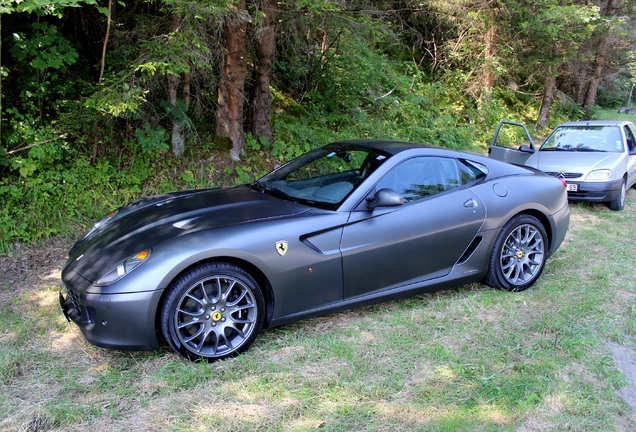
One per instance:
(421,177)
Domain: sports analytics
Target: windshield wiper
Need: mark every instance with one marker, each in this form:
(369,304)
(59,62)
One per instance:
(586,149)
(271,190)
(258,186)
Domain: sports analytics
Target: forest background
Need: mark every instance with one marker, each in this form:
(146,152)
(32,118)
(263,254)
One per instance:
(104,101)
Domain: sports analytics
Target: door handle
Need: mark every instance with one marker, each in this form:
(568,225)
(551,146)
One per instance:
(471,203)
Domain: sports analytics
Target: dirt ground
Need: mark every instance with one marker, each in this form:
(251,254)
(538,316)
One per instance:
(23,267)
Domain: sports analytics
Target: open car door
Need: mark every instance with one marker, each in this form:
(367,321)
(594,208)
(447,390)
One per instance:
(512,143)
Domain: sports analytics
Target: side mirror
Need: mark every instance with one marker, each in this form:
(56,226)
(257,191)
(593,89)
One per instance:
(385,198)
(526,149)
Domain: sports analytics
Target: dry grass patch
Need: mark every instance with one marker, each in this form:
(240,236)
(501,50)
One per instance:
(472,358)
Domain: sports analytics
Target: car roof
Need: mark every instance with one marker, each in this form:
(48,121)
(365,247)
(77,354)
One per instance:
(495,168)
(596,123)
(388,146)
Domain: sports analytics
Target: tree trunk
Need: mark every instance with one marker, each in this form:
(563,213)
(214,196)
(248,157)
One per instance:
(260,107)
(595,80)
(549,91)
(185,78)
(490,42)
(599,61)
(178,140)
(229,113)
(581,82)
(108,21)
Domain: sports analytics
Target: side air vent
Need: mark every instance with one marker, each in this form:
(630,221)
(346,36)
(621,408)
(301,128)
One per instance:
(469,251)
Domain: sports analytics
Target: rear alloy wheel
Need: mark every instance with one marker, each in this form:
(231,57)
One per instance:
(519,254)
(213,311)
(618,203)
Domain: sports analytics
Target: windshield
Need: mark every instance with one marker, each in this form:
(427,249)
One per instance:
(323,177)
(584,138)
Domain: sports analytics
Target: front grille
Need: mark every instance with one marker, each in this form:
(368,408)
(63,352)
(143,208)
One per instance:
(565,175)
(70,295)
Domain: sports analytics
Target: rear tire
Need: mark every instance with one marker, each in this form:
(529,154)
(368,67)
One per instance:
(519,254)
(213,311)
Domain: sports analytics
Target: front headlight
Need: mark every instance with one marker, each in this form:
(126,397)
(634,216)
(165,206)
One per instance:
(123,268)
(598,175)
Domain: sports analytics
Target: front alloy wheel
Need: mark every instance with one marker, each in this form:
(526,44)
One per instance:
(519,254)
(212,312)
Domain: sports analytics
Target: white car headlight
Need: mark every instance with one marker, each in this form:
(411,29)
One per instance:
(123,268)
(597,175)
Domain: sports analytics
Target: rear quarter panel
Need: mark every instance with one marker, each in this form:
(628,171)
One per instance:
(542,196)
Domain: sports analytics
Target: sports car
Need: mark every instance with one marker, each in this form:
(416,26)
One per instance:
(597,159)
(349,224)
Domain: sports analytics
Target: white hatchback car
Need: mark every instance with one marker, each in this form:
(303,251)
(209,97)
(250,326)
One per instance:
(597,159)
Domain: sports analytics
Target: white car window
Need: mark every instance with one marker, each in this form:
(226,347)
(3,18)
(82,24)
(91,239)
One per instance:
(631,142)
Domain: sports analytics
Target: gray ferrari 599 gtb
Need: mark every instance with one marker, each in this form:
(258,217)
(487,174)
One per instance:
(346,225)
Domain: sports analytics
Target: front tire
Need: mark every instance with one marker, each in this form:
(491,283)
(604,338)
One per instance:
(618,203)
(213,311)
(519,254)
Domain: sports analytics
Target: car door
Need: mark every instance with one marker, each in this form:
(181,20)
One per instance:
(511,143)
(630,136)
(419,240)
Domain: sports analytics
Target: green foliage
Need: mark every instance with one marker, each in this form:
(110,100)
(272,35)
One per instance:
(552,32)
(151,140)
(48,189)
(41,7)
(46,49)
(565,110)
(337,75)
(47,56)
(257,161)
(118,99)
(618,92)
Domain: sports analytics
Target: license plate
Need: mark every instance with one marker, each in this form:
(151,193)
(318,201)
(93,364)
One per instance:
(572,187)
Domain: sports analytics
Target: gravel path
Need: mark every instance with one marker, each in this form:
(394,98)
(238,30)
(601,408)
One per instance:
(625,359)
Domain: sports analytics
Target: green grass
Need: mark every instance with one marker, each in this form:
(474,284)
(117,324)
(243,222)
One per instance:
(613,114)
(468,359)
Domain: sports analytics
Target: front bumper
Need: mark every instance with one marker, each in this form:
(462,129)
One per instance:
(120,321)
(560,223)
(595,191)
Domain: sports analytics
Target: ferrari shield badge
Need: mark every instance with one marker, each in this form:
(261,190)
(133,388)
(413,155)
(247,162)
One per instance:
(281,247)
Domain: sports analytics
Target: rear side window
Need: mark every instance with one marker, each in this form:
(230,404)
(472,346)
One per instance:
(471,171)
(629,136)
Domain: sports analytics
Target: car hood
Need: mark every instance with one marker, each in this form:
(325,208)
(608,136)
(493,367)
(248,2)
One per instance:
(579,162)
(149,221)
